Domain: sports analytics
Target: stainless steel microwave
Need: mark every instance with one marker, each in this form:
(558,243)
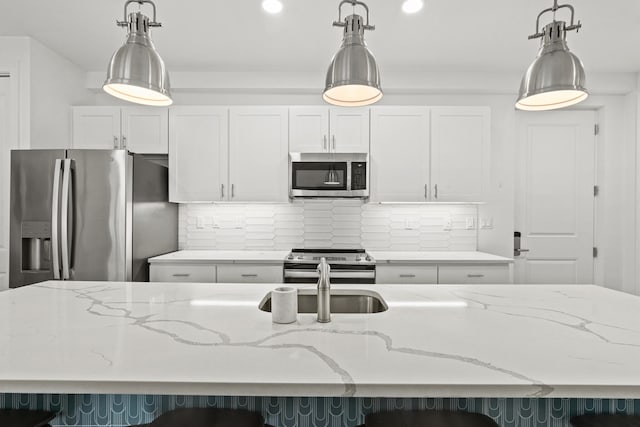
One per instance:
(332,175)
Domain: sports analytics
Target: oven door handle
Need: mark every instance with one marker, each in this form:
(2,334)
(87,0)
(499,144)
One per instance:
(334,274)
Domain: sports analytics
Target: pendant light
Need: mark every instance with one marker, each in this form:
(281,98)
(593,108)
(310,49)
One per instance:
(353,78)
(556,78)
(136,72)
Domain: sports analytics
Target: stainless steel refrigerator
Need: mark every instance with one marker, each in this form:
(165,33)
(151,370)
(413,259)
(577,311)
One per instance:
(87,215)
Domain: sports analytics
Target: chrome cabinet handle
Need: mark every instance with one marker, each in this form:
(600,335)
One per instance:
(233,191)
(124,141)
(181,275)
(435,194)
(55,206)
(324,142)
(64,220)
(426,191)
(475,275)
(222,191)
(523,250)
(249,275)
(115,142)
(407,275)
(334,142)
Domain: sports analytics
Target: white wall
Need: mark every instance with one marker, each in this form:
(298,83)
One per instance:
(56,84)
(614,97)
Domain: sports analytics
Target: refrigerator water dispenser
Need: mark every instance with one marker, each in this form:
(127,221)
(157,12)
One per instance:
(36,246)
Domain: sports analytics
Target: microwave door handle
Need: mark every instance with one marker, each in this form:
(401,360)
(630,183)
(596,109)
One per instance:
(55,220)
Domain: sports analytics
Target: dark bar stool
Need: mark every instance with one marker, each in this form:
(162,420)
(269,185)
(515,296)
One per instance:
(207,417)
(427,418)
(606,420)
(25,418)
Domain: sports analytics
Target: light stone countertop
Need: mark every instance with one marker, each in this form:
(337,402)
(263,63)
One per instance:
(434,341)
(221,256)
(438,257)
(278,257)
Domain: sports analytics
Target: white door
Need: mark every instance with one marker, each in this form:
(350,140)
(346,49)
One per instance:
(349,130)
(145,130)
(308,129)
(399,154)
(460,153)
(96,128)
(5,170)
(258,154)
(198,142)
(554,197)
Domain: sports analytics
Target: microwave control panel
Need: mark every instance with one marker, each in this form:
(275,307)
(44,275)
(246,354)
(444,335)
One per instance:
(359,176)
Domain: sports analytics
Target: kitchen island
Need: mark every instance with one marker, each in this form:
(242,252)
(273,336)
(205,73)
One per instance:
(460,346)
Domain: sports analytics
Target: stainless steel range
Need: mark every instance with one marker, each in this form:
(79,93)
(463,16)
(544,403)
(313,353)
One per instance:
(347,266)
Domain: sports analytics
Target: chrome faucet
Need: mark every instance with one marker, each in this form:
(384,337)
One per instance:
(324,292)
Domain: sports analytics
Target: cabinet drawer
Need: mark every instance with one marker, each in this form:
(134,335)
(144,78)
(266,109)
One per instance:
(463,274)
(243,273)
(182,273)
(407,274)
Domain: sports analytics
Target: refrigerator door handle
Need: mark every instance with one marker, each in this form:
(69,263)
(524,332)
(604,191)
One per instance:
(55,220)
(64,220)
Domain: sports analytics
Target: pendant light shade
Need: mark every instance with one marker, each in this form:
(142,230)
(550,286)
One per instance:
(353,78)
(136,72)
(556,78)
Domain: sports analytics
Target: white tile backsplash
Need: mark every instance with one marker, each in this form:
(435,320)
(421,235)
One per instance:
(328,224)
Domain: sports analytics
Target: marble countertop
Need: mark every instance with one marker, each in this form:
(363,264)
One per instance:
(222,256)
(434,341)
(437,257)
(383,257)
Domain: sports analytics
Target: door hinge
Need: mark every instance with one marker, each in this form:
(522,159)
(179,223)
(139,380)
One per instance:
(595,252)
(596,129)
(596,190)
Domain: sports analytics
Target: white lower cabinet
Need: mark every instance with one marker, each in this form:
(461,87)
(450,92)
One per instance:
(182,272)
(248,273)
(407,274)
(473,274)
(215,273)
(450,274)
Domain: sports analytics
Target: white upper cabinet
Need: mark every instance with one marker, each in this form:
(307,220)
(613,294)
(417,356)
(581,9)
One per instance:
(198,142)
(145,130)
(141,130)
(349,130)
(309,130)
(399,154)
(95,128)
(328,130)
(258,154)
(460,153)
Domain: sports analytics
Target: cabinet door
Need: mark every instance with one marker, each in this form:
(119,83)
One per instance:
(181,272)
(399,154)
(248,273)
(258,154)
(96,128)
(460,150)
(309,129)
(145,130)
(407,274)
(474,274)
(198,141)
(349,130)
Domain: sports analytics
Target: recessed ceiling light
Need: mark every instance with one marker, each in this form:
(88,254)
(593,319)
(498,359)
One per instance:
(272,6)
(412,6)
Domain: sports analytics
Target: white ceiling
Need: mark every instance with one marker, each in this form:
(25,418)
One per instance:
(236,35)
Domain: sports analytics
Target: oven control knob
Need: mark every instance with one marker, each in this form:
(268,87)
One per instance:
(358,258)
(368,258)
(290,256)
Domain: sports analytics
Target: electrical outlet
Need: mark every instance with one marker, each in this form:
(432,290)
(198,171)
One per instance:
(486,223)
(448,224)
(410,224)
(199,222)
(471,223)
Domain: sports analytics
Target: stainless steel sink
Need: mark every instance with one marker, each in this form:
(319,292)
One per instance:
(342,301)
